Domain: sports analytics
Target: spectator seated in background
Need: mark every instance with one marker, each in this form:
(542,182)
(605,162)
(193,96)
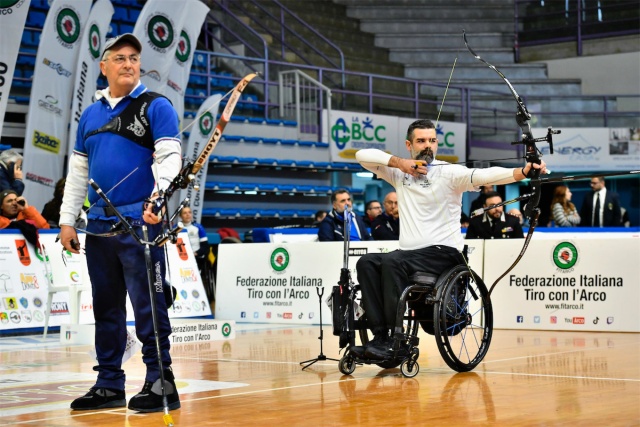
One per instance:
(11,171)
(16,213)
(318,217)
(478,202)
(197,236)
(371,211)
(563,212)
(516,212)
(332,227)
(464,220)
(494,224)
(51,211)
(387,225)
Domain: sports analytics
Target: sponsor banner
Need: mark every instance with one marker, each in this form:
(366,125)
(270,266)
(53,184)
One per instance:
(198,138)
(157,28)
(25,277)
(201,330)
(88,65)
(351,132)
(49,110)
(279,283)
(574,283)
(196,12)
(13,14)
(588,149)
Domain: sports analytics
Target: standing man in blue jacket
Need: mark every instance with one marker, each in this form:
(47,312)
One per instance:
(128,143)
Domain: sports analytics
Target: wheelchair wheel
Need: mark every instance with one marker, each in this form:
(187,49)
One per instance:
(387,364)
(347,365)
(409,368)
(463,319)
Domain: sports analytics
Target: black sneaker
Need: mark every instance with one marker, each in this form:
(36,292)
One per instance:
(380,349)
(150,398)
(357,351)
(100,398)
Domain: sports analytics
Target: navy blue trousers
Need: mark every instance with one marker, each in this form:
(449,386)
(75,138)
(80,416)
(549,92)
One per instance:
(383,277)
(116,267)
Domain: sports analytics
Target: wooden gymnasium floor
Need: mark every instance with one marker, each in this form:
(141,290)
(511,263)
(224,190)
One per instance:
(528,378)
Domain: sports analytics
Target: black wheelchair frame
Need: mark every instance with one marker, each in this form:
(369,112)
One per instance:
(455,307)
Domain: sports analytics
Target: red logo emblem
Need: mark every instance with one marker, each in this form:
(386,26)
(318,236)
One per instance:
(182,250)
(23,252)
(578,320)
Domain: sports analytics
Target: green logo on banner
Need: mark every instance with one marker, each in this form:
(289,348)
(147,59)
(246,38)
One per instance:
(565,255)
(279,259)
(5,4)
(68,26)
(160,31)
(226,329)
(94,40)
(183,50)
(206,123)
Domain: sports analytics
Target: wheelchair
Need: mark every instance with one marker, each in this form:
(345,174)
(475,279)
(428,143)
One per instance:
(454,307)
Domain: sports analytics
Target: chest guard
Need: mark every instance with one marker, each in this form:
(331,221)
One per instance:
(133,122)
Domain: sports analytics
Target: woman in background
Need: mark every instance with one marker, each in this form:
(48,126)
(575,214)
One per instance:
(563,212)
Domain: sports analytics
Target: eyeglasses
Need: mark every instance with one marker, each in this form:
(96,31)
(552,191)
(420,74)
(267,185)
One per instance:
(120,59)
(374,208)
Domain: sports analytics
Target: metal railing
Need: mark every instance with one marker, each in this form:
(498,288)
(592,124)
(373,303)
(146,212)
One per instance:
(539,22)
(302,98)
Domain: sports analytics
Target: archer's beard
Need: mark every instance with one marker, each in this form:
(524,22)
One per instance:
(426,155)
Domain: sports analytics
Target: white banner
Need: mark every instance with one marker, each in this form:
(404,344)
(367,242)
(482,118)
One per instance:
(156,28)
(50,107)
(567,282)
(588,149)
(181,66)
(199,135)
(276,283)
(13,14)
(88,65)
(24,284)
(351,132)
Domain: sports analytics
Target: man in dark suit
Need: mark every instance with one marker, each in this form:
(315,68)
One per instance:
(494,224)
(602,208)
(387,225)
(331,229)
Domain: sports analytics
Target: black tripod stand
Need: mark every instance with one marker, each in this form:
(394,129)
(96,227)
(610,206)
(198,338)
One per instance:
(345,279)
(321,356)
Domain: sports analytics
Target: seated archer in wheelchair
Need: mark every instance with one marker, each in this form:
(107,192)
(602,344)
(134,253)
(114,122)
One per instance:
(429,195)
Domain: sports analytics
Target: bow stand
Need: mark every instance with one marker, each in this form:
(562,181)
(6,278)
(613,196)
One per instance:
(169,235)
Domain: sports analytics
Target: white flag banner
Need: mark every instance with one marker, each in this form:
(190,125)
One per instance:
(12,17)
(156,29)
(198,138)
(181,66)
(51,91)
(88,65)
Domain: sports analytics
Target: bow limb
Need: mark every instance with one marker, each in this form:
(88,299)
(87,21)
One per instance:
(523,115)
(531,210)
(222,123)
(189,171)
